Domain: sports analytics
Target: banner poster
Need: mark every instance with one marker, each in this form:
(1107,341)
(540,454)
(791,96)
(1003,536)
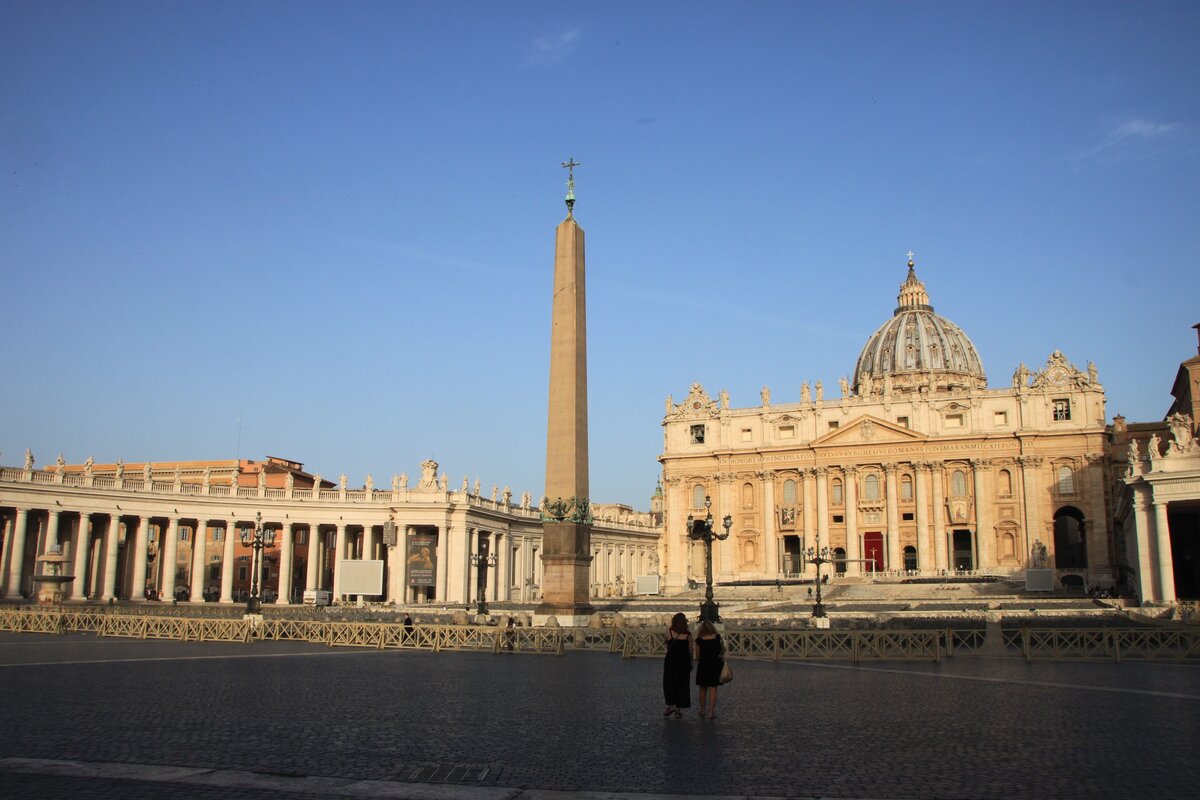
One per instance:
(422,559)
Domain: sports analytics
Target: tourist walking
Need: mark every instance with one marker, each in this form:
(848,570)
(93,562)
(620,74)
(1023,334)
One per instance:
(710,658)
(677,667)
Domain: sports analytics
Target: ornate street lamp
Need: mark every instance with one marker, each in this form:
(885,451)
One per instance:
(702,530)
(482,561)
(258,538)
(819,555)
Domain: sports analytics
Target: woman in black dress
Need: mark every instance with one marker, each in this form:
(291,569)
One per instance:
(709,661)
(677,667)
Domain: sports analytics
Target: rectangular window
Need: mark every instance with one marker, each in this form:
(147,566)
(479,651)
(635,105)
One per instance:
(787,431)
(1062,409)
(747,434)
(217,534)
(301,537)
(833,424)
(903,421)
(907,516)
(243,573)
(183,534)
(1000,419)
(697,434)
(954,420)
(838,518)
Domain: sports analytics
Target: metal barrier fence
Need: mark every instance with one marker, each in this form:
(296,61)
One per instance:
(1116,644)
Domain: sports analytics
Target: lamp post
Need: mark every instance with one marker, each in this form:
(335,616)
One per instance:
(482,561)
(257,539)
(703,531)
(819,555)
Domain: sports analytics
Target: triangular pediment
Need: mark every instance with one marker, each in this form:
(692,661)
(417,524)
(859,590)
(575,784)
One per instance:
(868,430)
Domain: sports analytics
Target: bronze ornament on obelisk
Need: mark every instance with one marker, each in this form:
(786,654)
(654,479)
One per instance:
(567,519)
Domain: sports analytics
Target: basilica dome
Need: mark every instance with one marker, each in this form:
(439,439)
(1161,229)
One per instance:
(917,350)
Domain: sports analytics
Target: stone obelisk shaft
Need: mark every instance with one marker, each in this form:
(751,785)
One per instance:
(566,545)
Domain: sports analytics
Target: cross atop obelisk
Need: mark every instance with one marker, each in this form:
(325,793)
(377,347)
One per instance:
(570,165)
(567,518)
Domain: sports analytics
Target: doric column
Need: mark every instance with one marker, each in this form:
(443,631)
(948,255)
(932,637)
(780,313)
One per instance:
(1031,501)
(499,586)
(5,551)
(196,595)
(471,546)
(924,545)
(340,549)
(52,530)
(109,589)
(985,536)
(1166,564)
(368,542)
(16,554)
(822,506)
(441,591)
(170,546)
(724,557)
(312,559)
(809,513)
(1144,545)
(895,557)
(82,547)
(137,579)
(774,567)
(227,556)
(285,565)
(940,555)
(850,498)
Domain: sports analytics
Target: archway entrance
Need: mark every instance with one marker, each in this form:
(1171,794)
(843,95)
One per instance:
(910,558)
(1184,522)
(963,551)
(873,551)
(793,560)
(1070,542)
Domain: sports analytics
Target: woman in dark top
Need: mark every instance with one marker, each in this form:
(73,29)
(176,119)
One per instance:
(709,661)
(677,666)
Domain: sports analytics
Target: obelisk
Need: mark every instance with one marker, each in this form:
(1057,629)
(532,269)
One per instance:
(566,527)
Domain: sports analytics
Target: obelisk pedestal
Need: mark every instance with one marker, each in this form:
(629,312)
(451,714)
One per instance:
(566,526)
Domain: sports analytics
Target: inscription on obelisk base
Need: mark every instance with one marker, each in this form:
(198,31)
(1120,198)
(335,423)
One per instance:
(566,527)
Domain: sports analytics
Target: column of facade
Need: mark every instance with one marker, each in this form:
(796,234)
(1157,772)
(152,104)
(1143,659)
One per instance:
(314,557)
(895,557)
(500,584)
(369,542)
(170,546)
(227,565)
(853,545)
(199,536)
(284,595)
(724,555)
(1166,564)
(924,546)
(774,567)
(1031,501)
(471,546)
(341,546)
(940,553)
(6,538)
(137,575)
(441,590)
(822,507)
(52,543)
(985,536)
(82,546)
(809,513)
(109,587)
(16,554)
(1146,547)
(398,567)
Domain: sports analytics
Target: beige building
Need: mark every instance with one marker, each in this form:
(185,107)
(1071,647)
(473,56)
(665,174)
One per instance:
(913,466)
(127,530)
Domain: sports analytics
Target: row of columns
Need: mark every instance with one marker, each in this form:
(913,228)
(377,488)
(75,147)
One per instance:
(1155,564)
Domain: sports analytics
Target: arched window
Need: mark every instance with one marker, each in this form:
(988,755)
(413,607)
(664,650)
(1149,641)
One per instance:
(835,492)
(871,487)
(839,560)
(1066,479)
(698,496)
(747,495)
(789,491)
(1004,482)
(958,484)
(906,487)
(910,558)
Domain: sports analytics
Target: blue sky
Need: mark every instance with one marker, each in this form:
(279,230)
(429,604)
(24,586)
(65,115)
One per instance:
(334,222)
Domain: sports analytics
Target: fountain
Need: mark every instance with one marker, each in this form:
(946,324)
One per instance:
(51,580)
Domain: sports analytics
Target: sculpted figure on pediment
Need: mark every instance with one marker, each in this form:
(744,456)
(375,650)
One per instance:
(403,480)
(476,491)
(147,472)
(805,394)
(120,468)
(369,483)
(1181,434)
(724,395)
(697,405)
(765,394)
(444,483)
(844,385)
(820,391)
(28,459)
(88,465)
(1152,447)
(429,469)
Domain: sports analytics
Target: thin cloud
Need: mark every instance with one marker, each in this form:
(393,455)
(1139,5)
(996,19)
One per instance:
(1137,138)
(554,47)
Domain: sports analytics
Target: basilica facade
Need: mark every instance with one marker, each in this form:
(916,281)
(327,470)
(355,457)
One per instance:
(914,466)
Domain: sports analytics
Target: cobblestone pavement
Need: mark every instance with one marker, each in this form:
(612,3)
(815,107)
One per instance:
(148,719)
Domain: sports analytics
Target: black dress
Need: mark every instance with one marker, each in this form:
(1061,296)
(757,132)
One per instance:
(708,668)
(677,666)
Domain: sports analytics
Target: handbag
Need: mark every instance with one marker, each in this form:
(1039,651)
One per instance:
(726,673)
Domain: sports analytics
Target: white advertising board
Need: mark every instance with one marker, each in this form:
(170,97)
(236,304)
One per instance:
(647,584)
(360,577)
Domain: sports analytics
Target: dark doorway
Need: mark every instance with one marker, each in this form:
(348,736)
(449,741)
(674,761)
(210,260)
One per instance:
(1184,522)
(964,552)
(873,551)
(1070,541)
(793,559)
(910,558)
(839,560)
